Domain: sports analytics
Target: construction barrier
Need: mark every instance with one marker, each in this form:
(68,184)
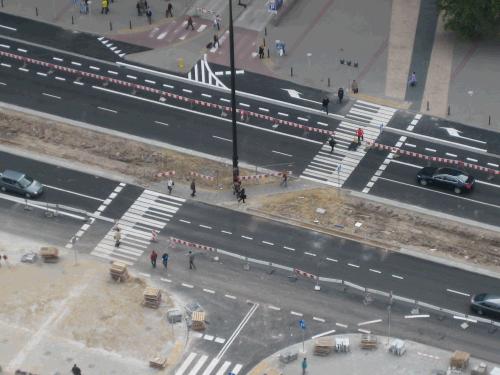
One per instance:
(437,159)
(165,174)
(265,175)
(191,244)
(136,86)
(204,11)
(305,274)
(203,176)
(154,235)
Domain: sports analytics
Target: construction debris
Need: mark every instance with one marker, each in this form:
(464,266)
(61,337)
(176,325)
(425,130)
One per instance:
(158,363)
(49,254)
(198,321)
(368,341)
(459,360)
(323,346)
(152,297)
(118,271)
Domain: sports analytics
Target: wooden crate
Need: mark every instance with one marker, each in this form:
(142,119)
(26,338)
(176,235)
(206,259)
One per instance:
(49,254)
(460,360)
(323,346)
(152,297)
(118,271)
(368,341)
(198,321)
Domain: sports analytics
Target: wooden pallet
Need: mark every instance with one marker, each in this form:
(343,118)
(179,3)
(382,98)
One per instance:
(198,321)
(118,271)
(152,297)
(368,341)
(49,254)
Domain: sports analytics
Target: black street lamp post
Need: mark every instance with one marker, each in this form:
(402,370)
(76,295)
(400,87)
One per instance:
(236,171)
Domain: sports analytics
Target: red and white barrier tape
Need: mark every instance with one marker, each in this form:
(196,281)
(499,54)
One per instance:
(192,244)
(163,93)
(154,235)
(437,159)
(305,274)
(204,176)
(205,11)
(265,175)
(165,174)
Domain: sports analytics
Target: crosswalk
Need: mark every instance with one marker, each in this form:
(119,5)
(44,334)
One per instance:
(151,211)
(335,168)
(198,364)
(109,45)
(176,31)
(201,72)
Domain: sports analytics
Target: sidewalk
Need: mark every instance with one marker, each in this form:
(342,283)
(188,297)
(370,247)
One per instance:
(418,359)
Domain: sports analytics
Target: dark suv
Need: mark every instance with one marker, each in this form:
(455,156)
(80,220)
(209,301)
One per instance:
(448,178)
(20,183)
(486,304)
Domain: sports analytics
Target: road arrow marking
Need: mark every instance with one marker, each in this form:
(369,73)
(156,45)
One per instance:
(456,133)
(296,95)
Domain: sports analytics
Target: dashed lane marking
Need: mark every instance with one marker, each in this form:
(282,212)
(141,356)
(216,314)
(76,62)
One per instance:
(247,238)
(275,308)
(296,313)
(375,271)
(229,296)
(204,226)
(288,248)
(341,325)
(225,232)
(161,123)
(51,96)
(188,285)
(458,292)
(184,221)
(310,254)
(210,291)
(398,277)
(165,280)
(319,319)
(352,265)
(107,110)
(332,260)
(281,153)
(268,243)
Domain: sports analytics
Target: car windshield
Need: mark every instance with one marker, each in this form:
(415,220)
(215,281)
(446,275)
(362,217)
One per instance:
(25,181)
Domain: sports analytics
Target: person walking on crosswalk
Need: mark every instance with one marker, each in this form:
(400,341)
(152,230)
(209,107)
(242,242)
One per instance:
(153,257)
(191,260)
(117,237)
(164,259)
(169,10)
(325,103)
(332,143)
(190,23)
(360,134)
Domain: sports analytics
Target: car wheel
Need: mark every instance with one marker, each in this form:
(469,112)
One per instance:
(27,195)
(3,189)
(457,190)
(423,182)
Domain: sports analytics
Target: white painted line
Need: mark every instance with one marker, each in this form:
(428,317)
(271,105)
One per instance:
(209,291)
(308,253)
(430,149)
(321,123)
(319,319)
(60,78)
(332,260)
(188,285)
(417,316)
(281,153)
(226,232)
(369,322)
(464,318)
(493,165)
(184,221)
(74,193)
(263,109)
(225,100)
(364,331)
(220,340)
(410,145)
(188,91)
(51,96)
(4,46)
(206,95)
(229,296)
(352,265)
(204,226)
(25,70)
(22,50)
(165,280)
(375,271)
(275,308)
(452,155)
(149,81)
(341,325)
(131,77)
(283,114)
(296,313)
(208,337)
(457,292)
(161,123)
(94,67)
(168,86)
(323,334)
(245,105)
(288,248)
(8,27)
(186,364)
(472,160)
(268,243)
(107,109)
(76,63)
(302,119)
(9,66)
(398,277)
(78,83)
(144,274)
(112,72)
(222,139)
(247,238)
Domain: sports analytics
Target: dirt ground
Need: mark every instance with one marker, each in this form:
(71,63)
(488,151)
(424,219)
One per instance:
(47,309)
(131,158)
(388,225)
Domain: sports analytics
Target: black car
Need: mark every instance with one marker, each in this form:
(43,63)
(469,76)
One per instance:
(448,178)
(20,183)
(486,304)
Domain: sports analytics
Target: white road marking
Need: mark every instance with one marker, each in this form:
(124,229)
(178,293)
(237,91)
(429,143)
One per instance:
(263,109)
(289,248)
(206,95)
(464,318)
(204,226)
(225,100)
(161,123)
(8,27)
(149,81)
(493,165)
(302,119)
(40,74)
(187,285)
(247,238)
(364,331)
(472,160)
(430,149)
(22,50)
(457,292)
(245,105)
(398,277)
(4,46)
(144,274)
(375,271)
(268,243)
(165,280)
(3,84)
(208,337)
(229,296)
(131,77)
(60,78)
(410,145)
(107,109)
(94,67)
(352,265)
(452,155)
(308,253)
(112,72)
(323,334)
(283,114)
(321,123)
(281,153)
(209,291)
(51,96)
(296,313)
(168,86)
(6,65)
(186,364)
(319,319)
(275,308)
(222,139)
(57,59)
(184,221)
(332,260)
(74,193)
(226,232)
(76,63)
(78,83)
(25,70)
(416,316)
(220,340)
(369,322)
(188,91)
(341,325)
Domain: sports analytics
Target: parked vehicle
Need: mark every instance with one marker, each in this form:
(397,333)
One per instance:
(20,183)
(447,178)
(486,304)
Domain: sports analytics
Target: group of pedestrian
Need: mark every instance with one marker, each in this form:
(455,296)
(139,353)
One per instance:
(143,8)
(165,258)
(239,191)
(84,6)
(356,142)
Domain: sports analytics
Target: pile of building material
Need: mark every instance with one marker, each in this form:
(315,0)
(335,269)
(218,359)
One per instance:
(198,321)
(152,297)
(158,363)
(49,254)
(368,341)
(459,360)
(323,346)
(118,271)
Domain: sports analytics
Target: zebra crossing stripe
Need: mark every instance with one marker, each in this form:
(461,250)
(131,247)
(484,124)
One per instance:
(186,364)
(223,369)
(198,365)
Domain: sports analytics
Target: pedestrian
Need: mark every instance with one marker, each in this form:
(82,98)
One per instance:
(381,127)
(354,87)
(242,195)
(117,237)
(353,146)
(216,41)
(169,10)
(340,94)
(153,257)
(139,8)
(304,366)
(190,23)
(149,14)
(170,185)
(217,22)
(360,134)
(413,80)
(284,179)
(236,187)
(75,370)
(261,51)
(191,260)
(164,260)
(193,188)
(325,103)
(86,6)
(332,143)
(104,3)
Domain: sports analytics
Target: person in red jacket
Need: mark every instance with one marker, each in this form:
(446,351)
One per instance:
(360,134)
(153,257)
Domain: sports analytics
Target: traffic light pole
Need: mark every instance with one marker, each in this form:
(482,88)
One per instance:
(236,171)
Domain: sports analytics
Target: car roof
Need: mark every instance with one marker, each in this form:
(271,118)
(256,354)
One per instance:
(493,298)
(450,171)
(13,175)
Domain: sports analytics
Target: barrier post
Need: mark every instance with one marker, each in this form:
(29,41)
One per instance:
(36,11)
(26,206)
(110,26)
(130,24)
(246,266)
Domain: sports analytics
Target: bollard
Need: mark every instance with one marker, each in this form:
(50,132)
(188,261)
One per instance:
(246,265)
(489,120)
(268,53)
(427,105)
(110,26)
(36,11)
(265,28)
(449,111)
(264,42)
(2,3)
(72,20)
(328,81)
(291,71)
(130,24)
